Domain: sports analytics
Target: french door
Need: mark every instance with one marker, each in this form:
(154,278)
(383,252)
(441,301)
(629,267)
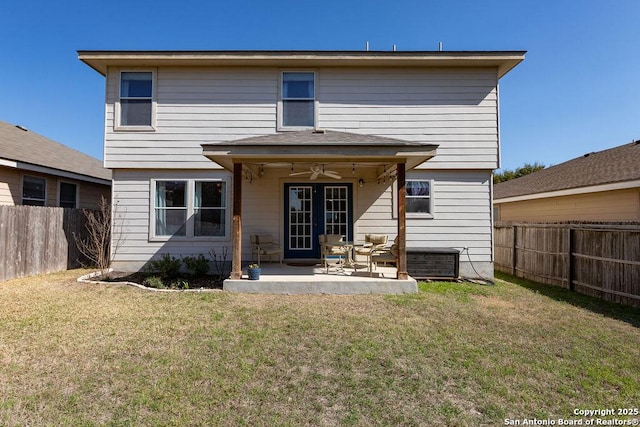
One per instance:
(312,209)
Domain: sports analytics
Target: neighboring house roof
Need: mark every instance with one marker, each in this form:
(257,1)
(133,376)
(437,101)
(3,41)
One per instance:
(24,149)
(611,169)
(100,60)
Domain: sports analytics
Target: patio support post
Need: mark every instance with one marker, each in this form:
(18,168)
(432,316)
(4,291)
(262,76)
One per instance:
(402,224)
(236,257)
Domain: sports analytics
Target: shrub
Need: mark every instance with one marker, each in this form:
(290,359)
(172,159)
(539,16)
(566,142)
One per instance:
(167,266)
(196,266)
(221,266)
(180,284)
(153,282)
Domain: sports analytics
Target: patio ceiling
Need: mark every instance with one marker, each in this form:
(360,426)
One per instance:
(319,146)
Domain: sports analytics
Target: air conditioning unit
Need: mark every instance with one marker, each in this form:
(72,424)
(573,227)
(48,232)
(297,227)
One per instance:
(433,263)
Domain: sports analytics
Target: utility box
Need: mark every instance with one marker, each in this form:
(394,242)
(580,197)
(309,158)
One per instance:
(433,263)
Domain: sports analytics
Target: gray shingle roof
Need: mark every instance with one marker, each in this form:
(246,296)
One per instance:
(29,147)
(618,164)
(324,137)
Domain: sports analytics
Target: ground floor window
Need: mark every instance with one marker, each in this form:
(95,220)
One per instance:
(419,200)
(34,190)
(190,208)
(68,195)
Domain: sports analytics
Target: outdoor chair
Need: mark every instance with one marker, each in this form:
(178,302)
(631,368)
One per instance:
(333,253)
(264,245)
(384,255)
(372,243)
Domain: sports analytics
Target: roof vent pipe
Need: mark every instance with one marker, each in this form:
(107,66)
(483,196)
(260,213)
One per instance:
(439,46)
(366,46)
(394,47)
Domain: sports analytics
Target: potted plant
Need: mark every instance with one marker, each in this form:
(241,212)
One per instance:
(254,271)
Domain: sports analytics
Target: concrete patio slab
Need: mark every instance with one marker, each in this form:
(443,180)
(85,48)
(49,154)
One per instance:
(290,279)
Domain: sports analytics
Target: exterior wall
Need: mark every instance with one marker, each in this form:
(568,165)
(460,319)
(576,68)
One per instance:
(90,194)
(10,186)
(619,205)
(132,202)
(455,108)
(11,189)
(461,217)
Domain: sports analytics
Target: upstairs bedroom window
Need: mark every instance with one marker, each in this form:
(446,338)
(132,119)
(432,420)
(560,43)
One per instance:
(190,209)
(298,100)
(136,99)
(33,190)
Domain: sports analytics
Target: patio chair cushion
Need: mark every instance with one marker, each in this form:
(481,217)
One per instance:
(325,243)
(376,239)
(372,243)
(264,244)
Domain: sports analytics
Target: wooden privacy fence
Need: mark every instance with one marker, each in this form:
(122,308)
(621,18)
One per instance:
(37,240)
(602,260)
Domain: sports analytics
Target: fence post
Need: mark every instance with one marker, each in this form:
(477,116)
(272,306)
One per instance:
(570,259)
(513,252)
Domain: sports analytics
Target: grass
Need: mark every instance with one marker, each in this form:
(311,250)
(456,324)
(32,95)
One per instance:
(453,354)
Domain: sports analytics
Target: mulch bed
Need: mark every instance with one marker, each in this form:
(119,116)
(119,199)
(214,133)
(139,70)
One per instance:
(206,282)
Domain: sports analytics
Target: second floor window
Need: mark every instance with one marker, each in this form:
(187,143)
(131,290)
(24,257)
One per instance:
(298,99)
(136,98)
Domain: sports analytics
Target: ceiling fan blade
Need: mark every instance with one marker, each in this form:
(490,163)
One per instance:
(299,173)
(332,174)
(314,175)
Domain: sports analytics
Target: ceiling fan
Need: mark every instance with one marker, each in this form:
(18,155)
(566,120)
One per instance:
(316,171)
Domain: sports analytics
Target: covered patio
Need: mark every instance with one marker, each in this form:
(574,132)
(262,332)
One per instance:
(280,153)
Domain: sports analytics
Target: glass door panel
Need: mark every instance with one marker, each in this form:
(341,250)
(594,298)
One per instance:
(300,218)
(314,209)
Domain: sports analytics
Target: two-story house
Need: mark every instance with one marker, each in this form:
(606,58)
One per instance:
(210,147)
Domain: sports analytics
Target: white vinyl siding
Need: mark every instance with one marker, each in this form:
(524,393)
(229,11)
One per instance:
(461,216)
(194,107)
(132,198)
(454,108)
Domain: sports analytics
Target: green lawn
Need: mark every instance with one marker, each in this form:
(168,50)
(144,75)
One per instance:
(454,354)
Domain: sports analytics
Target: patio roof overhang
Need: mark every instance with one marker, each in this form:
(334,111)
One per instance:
(319,146)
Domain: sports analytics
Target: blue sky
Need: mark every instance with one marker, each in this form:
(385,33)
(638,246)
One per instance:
(576,92)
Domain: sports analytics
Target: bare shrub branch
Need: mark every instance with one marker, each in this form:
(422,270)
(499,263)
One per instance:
(96,245)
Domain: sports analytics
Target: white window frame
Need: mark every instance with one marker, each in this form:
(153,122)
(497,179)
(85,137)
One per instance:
(22,198)
(117,120)
(280,106)
(190,202)
(417,215)
(421,214)
(77,201)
